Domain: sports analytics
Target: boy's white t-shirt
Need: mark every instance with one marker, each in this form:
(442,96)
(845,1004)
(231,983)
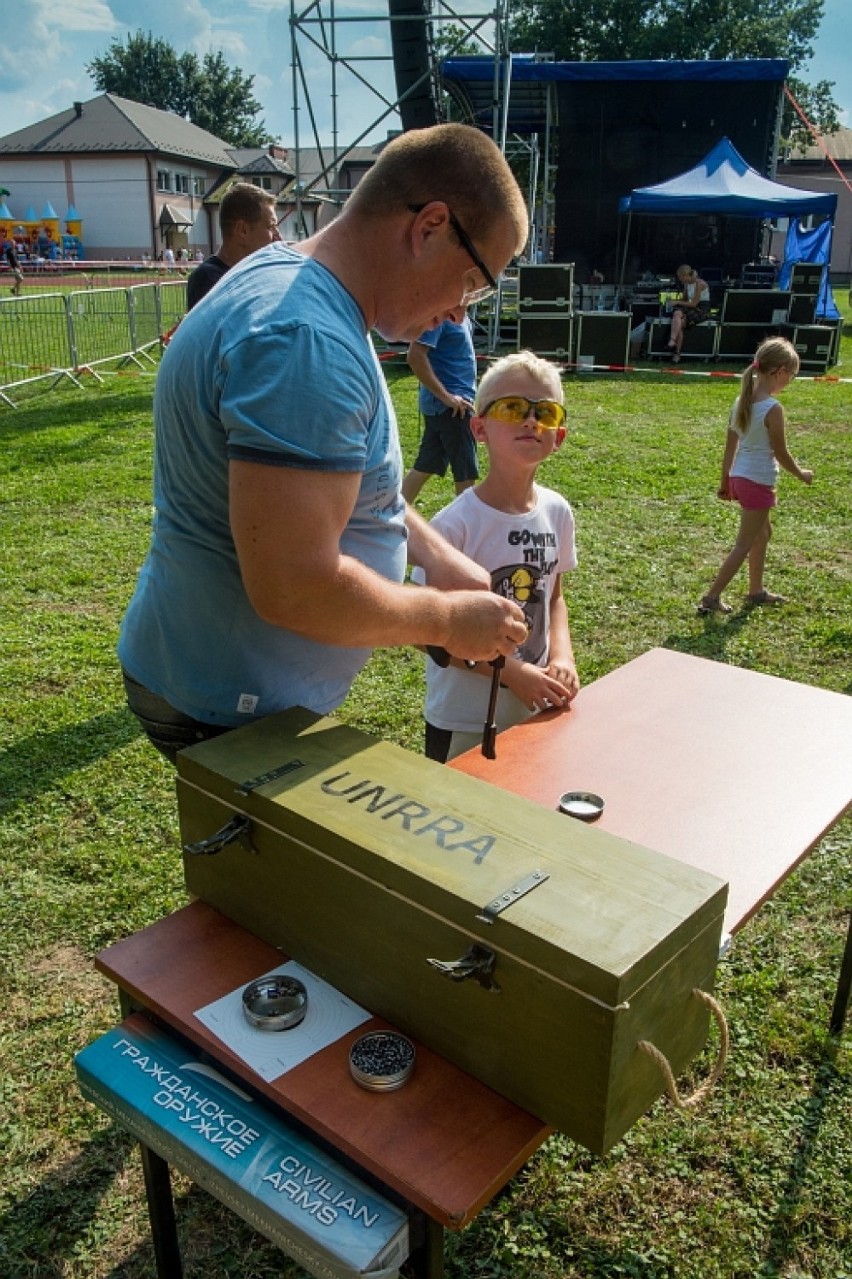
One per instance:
(523,554)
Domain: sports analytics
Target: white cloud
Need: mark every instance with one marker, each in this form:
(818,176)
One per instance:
(77,15)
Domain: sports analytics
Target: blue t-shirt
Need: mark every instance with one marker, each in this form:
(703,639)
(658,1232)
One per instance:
(453,361)
(276,368)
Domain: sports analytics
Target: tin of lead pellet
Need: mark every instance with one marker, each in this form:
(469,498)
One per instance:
(382,1060)
(277,1002)
(582,804)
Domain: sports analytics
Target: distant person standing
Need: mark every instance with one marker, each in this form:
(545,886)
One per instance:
(444,362)
(14,267)
(247,221)
(755,451)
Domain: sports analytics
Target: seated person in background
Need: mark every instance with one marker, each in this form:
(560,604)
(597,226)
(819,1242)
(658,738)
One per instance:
(691,310)
(523,534)
(247,222)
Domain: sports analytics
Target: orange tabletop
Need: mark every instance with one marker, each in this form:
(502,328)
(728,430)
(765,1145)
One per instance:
(729,770)
(445,1142)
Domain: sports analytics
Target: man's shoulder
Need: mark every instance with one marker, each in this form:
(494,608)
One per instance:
(202,279)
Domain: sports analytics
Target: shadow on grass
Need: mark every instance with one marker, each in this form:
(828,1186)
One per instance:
(33,416)
(36,762)
(719,630)
(782,1233)
(41,1232)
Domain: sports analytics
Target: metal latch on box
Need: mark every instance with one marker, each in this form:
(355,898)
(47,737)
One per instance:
(246,788)
(477,962)
(238,828)
(513,894)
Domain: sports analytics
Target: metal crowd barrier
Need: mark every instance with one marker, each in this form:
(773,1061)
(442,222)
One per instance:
(47,338)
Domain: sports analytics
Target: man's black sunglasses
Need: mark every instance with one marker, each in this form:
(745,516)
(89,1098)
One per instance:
(466,243)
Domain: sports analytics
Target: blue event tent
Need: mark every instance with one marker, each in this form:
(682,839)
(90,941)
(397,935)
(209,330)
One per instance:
(723,183)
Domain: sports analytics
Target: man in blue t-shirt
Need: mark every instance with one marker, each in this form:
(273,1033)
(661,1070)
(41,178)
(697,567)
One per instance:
(444,362)
(280,536)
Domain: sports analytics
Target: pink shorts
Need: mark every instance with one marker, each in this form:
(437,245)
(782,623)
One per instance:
(751,496)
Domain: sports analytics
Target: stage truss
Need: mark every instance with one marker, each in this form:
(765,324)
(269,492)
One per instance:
(321,27)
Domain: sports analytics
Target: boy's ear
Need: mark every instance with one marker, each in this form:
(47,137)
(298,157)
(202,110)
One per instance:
(477,427)
(560,436)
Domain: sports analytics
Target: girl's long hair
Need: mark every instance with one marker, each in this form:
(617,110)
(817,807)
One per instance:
(772,354)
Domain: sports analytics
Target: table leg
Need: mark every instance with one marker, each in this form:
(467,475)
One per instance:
(426,1260)
(844,984)
(161,1213)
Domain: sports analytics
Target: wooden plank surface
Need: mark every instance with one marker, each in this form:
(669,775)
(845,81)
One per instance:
(445,1142)
(729,770)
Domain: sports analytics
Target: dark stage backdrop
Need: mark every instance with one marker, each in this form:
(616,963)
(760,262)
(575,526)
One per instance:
(617,135)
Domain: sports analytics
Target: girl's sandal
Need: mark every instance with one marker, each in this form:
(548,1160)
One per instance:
(766,597)
(712,604)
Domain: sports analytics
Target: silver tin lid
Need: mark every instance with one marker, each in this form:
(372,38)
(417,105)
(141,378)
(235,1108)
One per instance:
(277,1002)
(582,804)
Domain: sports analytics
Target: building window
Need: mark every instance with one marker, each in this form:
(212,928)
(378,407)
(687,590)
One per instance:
(182,183)
(164,180)
(264,182)
(198,185)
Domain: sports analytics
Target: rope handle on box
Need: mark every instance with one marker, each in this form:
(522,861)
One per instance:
(686,1103)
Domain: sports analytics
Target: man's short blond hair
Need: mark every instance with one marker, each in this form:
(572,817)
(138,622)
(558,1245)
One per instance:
(455,163)
(542,370)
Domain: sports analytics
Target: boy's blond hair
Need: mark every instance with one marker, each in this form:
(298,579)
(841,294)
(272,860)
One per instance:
(527,362)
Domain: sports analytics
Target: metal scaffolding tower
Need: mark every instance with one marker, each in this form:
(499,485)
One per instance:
(434,70)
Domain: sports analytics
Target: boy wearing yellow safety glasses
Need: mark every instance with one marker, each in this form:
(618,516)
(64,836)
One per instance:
(523,534)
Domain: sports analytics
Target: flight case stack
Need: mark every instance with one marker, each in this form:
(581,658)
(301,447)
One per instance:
(815,343)
(749,316)
(546,310)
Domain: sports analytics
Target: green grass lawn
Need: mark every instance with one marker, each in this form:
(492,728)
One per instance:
(758,1183)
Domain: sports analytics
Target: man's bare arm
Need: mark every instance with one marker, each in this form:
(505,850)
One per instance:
(287,525)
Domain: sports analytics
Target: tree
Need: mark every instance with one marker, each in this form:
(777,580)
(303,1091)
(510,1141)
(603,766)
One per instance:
(613,30)
(211,94)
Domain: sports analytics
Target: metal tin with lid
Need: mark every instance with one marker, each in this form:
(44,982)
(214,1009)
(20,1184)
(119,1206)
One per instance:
(382,1060)
(582,804)
(275,1002)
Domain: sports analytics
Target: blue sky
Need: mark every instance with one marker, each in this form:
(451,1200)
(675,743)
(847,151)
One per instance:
(44,50)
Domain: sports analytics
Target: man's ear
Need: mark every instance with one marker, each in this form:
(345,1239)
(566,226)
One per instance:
(432,219)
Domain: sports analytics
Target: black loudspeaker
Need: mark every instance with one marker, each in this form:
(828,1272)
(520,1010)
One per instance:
(603,338)
(546,289)
(413,63)
(546,335)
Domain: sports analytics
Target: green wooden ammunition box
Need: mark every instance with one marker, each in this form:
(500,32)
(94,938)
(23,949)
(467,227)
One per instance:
(532,950)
